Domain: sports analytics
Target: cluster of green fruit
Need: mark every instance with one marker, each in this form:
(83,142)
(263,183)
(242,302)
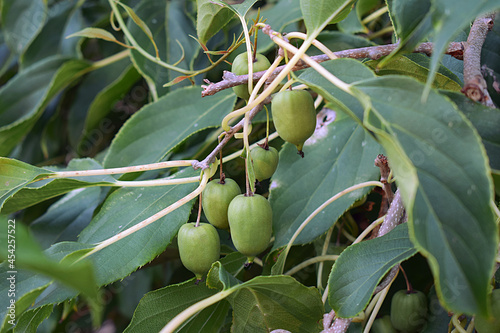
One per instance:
(408,314)
(248,217)
(293,111)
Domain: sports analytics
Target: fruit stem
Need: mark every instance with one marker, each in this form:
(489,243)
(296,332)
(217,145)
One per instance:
(222,177)
(199,212)
(409,288)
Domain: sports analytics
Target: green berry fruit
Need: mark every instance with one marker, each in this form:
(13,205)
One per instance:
(491,324)
(409,311)
(383,325)
(215,200)
(294,116)
(250,220)
(199,247)
(240,67)
(265,161)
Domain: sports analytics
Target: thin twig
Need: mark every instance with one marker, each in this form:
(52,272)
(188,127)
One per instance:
(475,86)
(229,80)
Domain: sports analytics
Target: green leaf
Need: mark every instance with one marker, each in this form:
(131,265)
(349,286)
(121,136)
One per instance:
(96,123)
(299,186)
(318,13)
(63,19)
(490,57)
(448,17)
(29,256)
(219,278)
(30,320)
(361,267)
(22,20)
(158,127)
(406,15)
(416,66)
(486,121)
(175,298)
(125,208)
(23,98)
(443,175)
(14,175)
(42,190)
(94,33)
(210,19)
(266,303)
(347,70)
(158,307)
(352,24)
(66,218)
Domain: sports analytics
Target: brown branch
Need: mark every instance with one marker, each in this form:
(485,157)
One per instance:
(229,79)
(211,157)
(475,86)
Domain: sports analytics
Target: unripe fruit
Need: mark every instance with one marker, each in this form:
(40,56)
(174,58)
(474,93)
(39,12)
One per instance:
(383,325)
(250,220)
(215,201)
(265,161)
(492,324)
(409,311)
(240,67)
(294,116)
(199,247)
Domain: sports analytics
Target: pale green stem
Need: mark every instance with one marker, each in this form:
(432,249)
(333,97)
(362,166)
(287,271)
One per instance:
(112,59)
(369,229)
(318,101)
(249,53)
(320,46)
(376,14)
(325,294)
(258,261)
(380,32)
(115,171)
(381,297)
(348,235)
(320,259)
(194,309)
(456,323)
(323,206)
(157,182)
(238,153)
(153,218)
(495,208)
(264,77)
(326,244)
(288,84)
(320,69)
(470,328)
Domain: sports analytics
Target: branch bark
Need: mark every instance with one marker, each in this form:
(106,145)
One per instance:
(229,79)
(475,86)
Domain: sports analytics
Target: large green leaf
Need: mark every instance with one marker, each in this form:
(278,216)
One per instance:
(266,303)
(66,218)
(210,19)
(347,70)
(337,156)
(39,191)
(490,57)
(448,18)
(23,98)
(443,175)
(14,175)
(159,307)
(21,22)
(30,320)
(158,127)
(360,267)
(486,121)
(416,66)
(28,255)
(318,13)
(125,208)
(406,15)
(63,19)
